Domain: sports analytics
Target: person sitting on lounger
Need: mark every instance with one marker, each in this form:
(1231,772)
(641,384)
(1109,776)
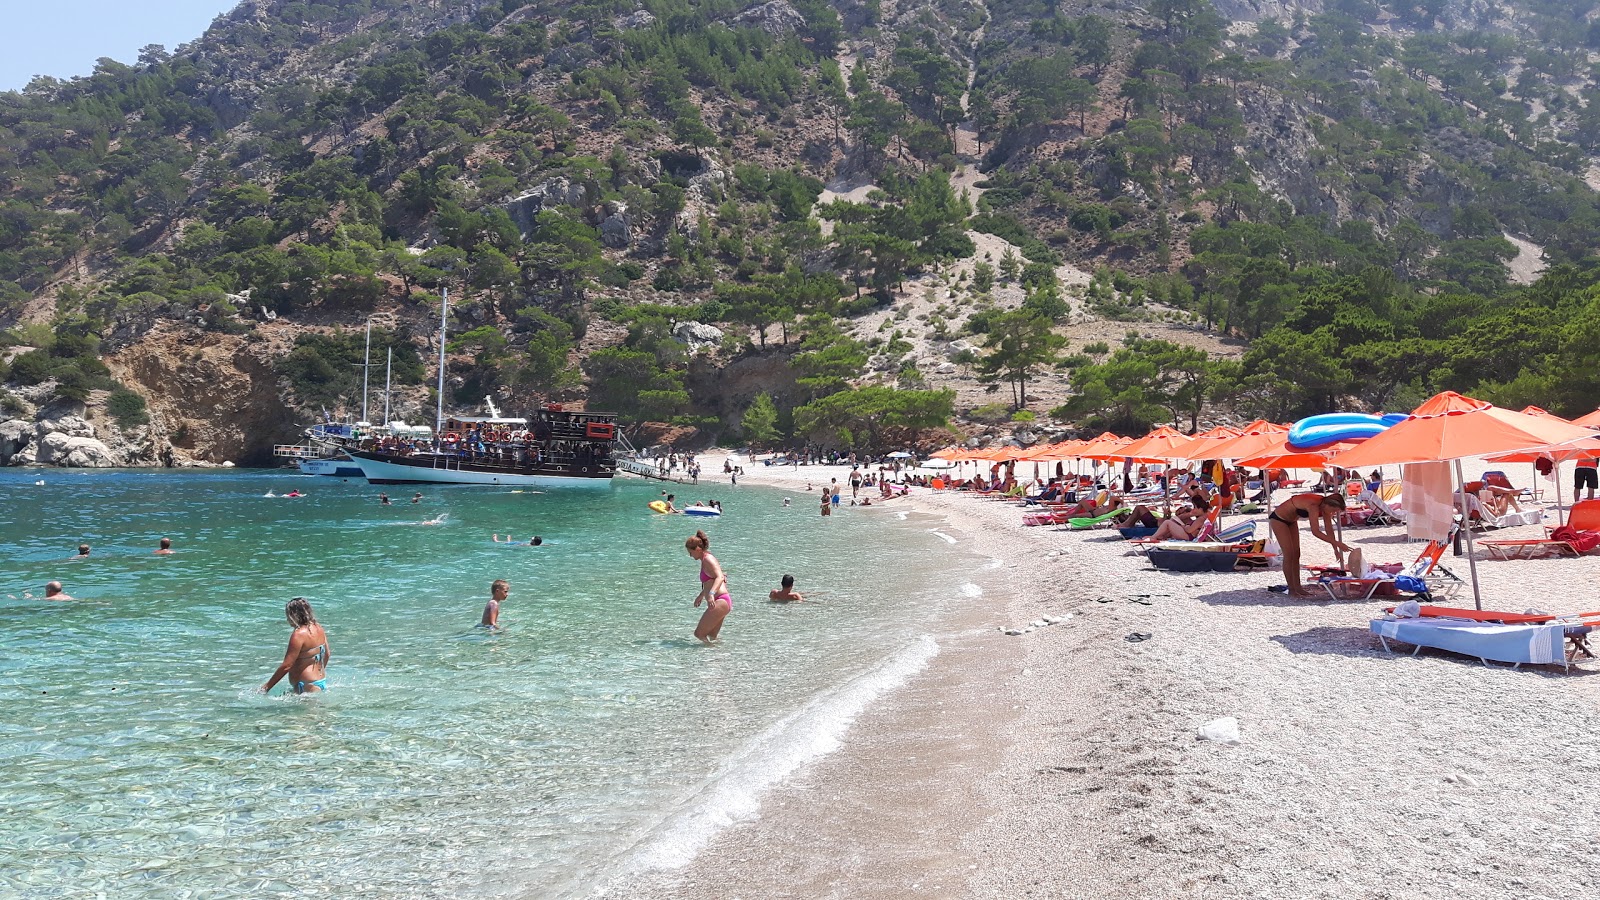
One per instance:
(1185,524)
(1498,500)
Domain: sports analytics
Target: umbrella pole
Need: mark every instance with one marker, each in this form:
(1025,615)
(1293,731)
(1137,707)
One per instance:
(1466,523)
(1555,469)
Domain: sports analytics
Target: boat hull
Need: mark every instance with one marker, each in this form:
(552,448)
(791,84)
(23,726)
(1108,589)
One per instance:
(336,468)
(428,469)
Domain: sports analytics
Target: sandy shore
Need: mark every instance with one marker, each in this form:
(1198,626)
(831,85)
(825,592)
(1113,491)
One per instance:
(1064,763)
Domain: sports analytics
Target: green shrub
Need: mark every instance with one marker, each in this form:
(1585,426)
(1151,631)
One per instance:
(1023,415)
(127,408)
(73,384)
(32,367)
(1098,348)
(991,413)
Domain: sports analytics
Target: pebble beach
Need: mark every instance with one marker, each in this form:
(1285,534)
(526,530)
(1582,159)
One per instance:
(1065,761)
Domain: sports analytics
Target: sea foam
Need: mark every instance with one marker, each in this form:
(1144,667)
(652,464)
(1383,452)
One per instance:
(734,793)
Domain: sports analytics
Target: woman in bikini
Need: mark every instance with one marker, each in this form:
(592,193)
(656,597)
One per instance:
(1185,524)
(713,588)
(1319,511)
(306,662)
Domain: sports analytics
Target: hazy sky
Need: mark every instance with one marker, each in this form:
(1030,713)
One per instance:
(64,37)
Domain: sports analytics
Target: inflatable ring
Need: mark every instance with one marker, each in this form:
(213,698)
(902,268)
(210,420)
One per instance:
(657,506)
(451,436)
(1316,432)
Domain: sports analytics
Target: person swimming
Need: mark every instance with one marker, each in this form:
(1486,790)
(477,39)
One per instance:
(54,591)
(534,541)
(166,547)
(83,553)
(306,661)
(713,588)
(498,591)
(786,593)
(383,500)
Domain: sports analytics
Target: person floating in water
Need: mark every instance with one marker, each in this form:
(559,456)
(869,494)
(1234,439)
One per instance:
(713,588)
(491,610)
(83,553)
(417,497)
(306,661)
(786,593)
(532,542)
(294,494)
(383,500)
(54,591)
(166,547)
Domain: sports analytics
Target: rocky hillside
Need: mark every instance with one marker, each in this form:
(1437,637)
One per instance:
(861,214)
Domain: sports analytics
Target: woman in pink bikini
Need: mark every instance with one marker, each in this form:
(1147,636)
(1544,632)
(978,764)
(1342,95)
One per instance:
(713,588)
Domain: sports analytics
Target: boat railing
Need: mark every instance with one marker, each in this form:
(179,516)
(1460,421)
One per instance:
(297,451)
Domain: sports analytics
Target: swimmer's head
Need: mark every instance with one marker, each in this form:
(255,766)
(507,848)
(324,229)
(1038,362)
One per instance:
(536,540)
(83,549)
(299,612)
(166,543)
(52,589)
(500,587)
(788,582)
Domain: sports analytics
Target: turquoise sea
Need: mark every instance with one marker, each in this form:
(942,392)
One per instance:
(592,736)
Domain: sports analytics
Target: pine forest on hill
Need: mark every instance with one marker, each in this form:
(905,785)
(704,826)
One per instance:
(885,205)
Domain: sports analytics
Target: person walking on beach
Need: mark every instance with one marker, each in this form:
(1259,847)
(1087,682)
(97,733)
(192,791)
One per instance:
(498,591)
(1586,475)
(306,661)
(786,593)
(713,588)
(1319,511)
(54,591)
(166,547)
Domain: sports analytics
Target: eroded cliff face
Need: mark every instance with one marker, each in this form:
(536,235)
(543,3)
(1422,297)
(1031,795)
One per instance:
(215,397)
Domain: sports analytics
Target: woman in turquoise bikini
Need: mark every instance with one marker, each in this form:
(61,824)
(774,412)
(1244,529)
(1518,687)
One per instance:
(306,662)
(713,588)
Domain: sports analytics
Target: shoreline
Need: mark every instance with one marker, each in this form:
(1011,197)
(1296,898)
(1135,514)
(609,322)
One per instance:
(1064,763)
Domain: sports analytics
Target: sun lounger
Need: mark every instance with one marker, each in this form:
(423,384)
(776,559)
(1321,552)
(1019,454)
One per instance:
(1535,643)
(1578,626)
(1533,548)
(1091,522)
(1427,562)
(1196,556)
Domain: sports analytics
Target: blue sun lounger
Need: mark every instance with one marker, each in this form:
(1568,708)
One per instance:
(1516,644)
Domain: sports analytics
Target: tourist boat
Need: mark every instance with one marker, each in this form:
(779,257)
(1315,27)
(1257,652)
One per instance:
(556,447)
(322,447)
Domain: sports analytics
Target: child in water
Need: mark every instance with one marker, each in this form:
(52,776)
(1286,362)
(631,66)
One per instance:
(491,611)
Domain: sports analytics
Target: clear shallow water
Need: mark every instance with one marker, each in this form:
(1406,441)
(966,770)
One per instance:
(591,735)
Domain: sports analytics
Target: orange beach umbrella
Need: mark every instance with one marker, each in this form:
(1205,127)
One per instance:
(1158,446)
(1448,427)
(1254,439)
(1107,446)
(1592,420)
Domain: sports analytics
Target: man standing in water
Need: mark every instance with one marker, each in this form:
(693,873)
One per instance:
(498,591)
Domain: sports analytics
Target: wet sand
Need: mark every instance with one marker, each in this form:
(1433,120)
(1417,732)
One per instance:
(1063,762)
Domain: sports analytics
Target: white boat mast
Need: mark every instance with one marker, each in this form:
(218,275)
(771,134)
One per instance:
(388,377)
(444,313)
(366,366)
